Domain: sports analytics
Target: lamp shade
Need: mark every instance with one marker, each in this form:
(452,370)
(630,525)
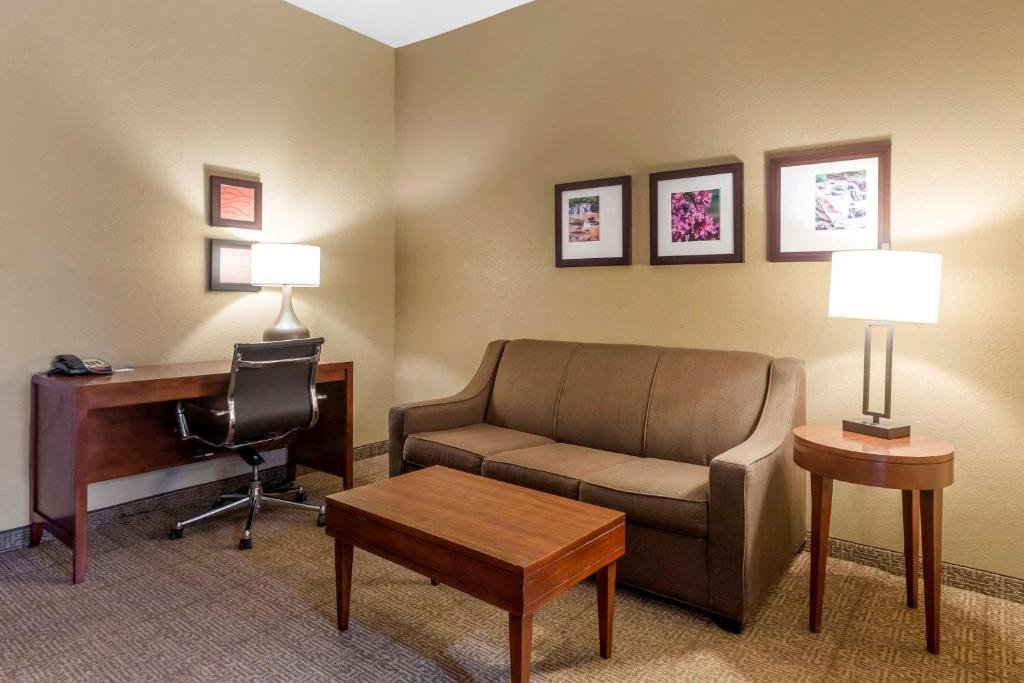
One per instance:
(277,265)
(894,286)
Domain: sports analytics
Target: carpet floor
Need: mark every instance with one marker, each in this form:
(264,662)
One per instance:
(198,609)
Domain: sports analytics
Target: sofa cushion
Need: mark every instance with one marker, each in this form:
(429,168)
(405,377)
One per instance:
(555,467)
(527,383)
(604,397)
(704,402)
(463,448)
(663,494)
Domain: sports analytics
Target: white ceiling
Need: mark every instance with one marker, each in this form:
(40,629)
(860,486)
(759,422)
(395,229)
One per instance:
(400,22)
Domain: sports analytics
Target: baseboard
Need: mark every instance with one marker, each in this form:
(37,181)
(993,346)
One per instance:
(18,537)
(954,575)
(370,450)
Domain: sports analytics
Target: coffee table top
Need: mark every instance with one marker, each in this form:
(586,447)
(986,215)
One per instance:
(511,527)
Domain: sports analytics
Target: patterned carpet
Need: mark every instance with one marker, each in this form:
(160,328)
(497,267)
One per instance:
(200,610)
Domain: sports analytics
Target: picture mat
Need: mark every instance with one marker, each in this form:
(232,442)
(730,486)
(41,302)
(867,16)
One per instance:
(726,242)
(797,203)
(610,244)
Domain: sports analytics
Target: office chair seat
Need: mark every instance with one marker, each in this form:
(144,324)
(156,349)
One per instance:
(271,394)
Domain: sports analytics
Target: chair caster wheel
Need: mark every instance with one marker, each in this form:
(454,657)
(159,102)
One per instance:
(300,497)
(176,534)
(321,519)
(245,544)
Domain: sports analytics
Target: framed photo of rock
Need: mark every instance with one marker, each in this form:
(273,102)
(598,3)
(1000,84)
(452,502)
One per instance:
(697,215)
(828,199)
(592,222)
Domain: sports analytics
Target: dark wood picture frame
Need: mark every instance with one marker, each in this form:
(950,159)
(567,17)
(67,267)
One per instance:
(215,284)
(216,219)
(626,182)
(737,255)
(776,161)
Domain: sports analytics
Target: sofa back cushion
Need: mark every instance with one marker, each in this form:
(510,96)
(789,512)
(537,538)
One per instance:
(527,384)
(704,402)
(604,396)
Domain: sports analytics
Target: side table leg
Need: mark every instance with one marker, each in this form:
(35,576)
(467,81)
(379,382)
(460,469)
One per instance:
(520,641)
(343,581)
(821,513)
(606,607)
(911,542)
(931,532)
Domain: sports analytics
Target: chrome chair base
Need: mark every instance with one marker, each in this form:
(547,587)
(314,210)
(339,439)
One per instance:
(254,499)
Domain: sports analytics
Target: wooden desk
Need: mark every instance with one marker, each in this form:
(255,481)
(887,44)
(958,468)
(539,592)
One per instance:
(920,466)
(93,428)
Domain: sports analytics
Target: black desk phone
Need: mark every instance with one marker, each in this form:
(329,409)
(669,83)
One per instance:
(68,364)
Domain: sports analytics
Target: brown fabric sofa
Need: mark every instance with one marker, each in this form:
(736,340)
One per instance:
(693,445)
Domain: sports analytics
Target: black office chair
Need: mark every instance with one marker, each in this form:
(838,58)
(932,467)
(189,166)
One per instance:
(271,393)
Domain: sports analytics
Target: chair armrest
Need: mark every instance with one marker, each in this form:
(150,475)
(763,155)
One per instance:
(756,501)
(467,407)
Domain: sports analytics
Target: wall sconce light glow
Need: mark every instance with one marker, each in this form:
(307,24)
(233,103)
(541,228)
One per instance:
(278,265)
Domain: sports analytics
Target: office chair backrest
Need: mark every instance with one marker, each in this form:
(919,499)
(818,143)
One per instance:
(273,387)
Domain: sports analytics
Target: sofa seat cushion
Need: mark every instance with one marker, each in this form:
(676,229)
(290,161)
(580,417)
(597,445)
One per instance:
(463,448)
(555,467)
(662,494)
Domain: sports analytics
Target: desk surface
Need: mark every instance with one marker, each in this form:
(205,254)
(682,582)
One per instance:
(147,382)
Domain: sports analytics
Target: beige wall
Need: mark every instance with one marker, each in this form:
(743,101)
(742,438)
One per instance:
(110,110)
(491,116)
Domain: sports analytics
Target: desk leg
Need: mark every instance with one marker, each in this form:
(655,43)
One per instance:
(520,641)
(911,542)
(606,607)
(80,557)
(35,534)
(821,513)
(343,581)
(931,532)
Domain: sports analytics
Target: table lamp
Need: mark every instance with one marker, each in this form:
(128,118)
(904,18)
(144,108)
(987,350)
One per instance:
(285,266)
(882,287)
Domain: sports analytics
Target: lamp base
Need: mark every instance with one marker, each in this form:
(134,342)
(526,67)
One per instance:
(287,325)
(883,429)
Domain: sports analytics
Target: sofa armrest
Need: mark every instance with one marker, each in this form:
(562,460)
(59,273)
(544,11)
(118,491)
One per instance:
(467,407)
(756,501)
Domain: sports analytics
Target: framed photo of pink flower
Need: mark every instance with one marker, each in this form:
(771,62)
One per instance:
(828,199)
(592,222)
(697,215)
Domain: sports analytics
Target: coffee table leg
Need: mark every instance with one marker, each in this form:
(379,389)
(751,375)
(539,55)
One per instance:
(911,542)
(931,533)
(520,640)
(821,513)
(606,607)
(343,581)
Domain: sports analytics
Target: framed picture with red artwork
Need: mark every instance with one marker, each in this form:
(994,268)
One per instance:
(236,203)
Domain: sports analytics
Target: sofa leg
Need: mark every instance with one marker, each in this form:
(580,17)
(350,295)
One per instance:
(727,624)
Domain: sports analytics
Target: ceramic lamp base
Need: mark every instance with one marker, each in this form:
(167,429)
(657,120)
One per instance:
(287,325)
(883,429)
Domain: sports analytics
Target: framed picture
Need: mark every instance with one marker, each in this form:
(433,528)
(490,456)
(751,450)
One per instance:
(236,203)
(828,199)
(592,222)
(697,215)
(231,266)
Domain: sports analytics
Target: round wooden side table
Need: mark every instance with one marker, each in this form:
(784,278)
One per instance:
(920,466)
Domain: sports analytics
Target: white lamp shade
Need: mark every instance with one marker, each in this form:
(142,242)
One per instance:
(895,286)
(276,265)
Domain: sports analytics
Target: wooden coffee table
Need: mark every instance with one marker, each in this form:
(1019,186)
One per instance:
(512,547)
